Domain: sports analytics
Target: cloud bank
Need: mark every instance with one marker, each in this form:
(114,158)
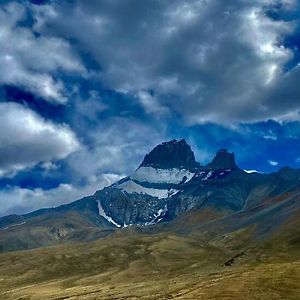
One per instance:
(209,61)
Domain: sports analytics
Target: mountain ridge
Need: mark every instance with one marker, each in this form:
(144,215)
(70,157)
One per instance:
(158,192)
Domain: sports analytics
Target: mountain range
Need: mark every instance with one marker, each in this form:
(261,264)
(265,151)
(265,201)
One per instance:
(174,229)
(169,191)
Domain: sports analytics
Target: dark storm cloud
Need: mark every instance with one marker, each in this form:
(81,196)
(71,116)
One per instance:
(210,61)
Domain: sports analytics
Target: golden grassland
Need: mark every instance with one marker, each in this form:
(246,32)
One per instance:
(128,265)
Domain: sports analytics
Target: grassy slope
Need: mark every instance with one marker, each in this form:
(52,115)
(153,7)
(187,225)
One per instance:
(50,229)
(128,265)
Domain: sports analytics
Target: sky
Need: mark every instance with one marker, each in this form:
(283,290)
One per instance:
(87,88)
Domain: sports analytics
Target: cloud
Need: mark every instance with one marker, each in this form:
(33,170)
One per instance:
(21,200)
(273,163)
(117,145)
(209,61)
(31,61)
(151,104)
(27,139)
(270,135)
(49,166)
(91,106)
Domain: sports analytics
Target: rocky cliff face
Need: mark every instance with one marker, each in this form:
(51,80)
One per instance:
(223,160)
(143,197)
(172,154)
(169,182)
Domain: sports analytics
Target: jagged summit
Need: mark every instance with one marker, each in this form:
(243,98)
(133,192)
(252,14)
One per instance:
(172,154)
(223,160)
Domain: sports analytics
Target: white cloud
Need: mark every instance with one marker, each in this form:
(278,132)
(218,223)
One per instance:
(269,135)
(22,200)
(27,139)
(91,106)
(151,104)
(273,163)
(49,166)
(31,61)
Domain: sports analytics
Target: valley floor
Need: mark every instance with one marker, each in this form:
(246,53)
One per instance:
(153,267)
(271,281)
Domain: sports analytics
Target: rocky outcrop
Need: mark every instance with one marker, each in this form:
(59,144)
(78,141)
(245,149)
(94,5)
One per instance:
(223,160)
(172,154)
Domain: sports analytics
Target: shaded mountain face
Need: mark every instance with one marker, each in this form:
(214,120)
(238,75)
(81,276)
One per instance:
(169,183)
(223,160)
(173,154)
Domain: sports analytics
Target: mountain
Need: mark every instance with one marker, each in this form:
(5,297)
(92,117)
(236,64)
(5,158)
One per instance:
(173,154)
(223,160)
(169,192)
(173,229)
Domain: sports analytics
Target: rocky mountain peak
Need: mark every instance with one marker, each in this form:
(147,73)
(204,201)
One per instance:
(223,160)
(172,154)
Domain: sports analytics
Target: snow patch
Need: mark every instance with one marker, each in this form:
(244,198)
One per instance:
(208,175)
(105,216)
(158,216)
(153,175)
(13,225)
(161,212)
(251,171)
(133,188)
